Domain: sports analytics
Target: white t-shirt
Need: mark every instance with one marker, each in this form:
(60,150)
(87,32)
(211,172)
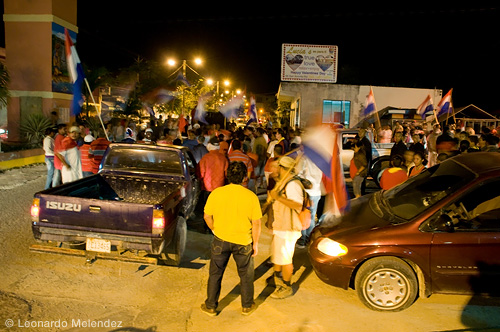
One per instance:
(48,146)
(284,218)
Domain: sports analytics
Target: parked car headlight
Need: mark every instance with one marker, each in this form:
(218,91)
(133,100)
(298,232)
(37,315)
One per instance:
(331,248)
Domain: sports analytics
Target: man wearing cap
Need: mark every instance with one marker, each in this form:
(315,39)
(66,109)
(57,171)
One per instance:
(84,155)
(148,136)
(288,198)
(129,136)
(72,164)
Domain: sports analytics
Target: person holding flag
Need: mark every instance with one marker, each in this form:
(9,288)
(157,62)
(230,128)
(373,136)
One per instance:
(77,77)
(322,146)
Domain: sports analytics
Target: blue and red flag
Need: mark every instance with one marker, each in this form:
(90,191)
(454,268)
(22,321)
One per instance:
(370,106)
(321,146)
(445,105)
(200,111)
(232,107)
(75,71)
(425,107)
(252,111)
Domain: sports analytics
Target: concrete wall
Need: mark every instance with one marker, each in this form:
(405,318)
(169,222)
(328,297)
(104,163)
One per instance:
(308,98)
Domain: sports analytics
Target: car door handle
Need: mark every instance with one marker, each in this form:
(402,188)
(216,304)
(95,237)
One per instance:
(95,209)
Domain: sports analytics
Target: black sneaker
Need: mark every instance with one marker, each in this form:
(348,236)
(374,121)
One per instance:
(248,311)
(208,311)
(300,245)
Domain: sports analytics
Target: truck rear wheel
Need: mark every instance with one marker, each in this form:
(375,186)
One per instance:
(173,253)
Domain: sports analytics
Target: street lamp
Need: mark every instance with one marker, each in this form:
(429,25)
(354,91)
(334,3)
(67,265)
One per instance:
(172,62)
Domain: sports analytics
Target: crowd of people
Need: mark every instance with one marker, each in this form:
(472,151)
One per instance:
(72,153)
(234,164)
(415,149)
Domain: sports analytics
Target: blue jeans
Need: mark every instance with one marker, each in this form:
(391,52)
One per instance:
(49,161)
(314,207)
(242,255)
(357,182)
(57,180)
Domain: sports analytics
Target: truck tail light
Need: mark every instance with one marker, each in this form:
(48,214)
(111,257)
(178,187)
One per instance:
(158,221)
(35,209)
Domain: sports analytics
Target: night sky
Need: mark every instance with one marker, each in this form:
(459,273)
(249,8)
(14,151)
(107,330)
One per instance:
(407,46)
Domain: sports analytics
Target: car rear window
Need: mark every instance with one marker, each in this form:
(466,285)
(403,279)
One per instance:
(426,189)
(147,160)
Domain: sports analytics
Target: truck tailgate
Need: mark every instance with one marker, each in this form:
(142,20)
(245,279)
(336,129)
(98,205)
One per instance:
(95,215)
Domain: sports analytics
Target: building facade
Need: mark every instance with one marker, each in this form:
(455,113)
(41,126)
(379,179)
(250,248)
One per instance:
(34,58)
(314,104)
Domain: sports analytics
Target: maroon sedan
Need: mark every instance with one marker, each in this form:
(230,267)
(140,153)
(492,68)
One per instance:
(438,232)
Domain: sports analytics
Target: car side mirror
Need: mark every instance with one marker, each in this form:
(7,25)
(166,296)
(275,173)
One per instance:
(442,224)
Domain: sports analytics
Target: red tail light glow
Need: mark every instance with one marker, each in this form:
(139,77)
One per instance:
(158,220)
(35,209)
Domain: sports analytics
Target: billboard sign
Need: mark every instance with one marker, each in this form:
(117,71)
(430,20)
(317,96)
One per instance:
(309,63)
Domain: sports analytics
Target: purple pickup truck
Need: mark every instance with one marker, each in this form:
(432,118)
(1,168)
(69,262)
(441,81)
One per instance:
(138,202)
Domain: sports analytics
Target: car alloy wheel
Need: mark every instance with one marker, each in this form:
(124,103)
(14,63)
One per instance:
(386,284)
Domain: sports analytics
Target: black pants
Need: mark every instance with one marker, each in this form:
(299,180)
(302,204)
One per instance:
(242,255)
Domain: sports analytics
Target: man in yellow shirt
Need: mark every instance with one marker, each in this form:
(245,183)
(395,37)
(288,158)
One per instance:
(233,214)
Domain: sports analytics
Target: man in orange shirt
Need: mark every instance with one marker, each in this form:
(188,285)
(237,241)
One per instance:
(394,175)
(212,169)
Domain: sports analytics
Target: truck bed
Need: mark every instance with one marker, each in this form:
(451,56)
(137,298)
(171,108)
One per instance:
(105,202)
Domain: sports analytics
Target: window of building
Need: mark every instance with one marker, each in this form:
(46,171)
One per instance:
(336,111)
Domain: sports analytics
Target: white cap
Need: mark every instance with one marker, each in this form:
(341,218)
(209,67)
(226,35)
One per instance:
(89,138)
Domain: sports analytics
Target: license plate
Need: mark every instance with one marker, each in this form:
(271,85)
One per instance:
(98,245)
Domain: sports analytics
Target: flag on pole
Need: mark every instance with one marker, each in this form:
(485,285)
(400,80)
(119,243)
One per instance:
(321,146)
(370,106)
(149,109)
(75,71)
(425,107)
(200,111)
(445,105)
(181,78)
(232,107)
(252,111)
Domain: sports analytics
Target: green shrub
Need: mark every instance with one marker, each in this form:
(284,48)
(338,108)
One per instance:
(33,128)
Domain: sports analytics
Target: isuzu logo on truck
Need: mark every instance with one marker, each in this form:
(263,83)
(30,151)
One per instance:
(64,206)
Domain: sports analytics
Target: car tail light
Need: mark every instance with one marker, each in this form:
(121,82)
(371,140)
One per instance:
(35,209)
(158,221)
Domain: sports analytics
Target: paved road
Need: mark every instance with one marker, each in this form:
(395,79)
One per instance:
(53,289)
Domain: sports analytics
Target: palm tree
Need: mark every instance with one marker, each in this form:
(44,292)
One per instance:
(4,82)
